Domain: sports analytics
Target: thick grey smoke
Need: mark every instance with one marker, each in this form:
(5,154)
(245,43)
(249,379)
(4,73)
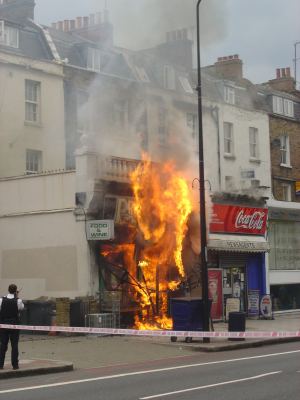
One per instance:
(143,23)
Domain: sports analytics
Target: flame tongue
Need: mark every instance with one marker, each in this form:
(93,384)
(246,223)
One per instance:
(162,206)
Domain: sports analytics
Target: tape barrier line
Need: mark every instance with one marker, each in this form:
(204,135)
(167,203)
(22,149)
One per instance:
(161,333)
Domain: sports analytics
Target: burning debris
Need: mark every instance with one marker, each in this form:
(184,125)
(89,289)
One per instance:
(152,266)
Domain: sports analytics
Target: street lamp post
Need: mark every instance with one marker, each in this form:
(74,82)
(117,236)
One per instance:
(203,238)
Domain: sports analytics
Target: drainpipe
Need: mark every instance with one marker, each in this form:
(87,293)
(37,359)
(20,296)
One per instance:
(215,116)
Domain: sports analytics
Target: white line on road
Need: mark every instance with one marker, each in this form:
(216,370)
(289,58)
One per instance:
(210,386)
(152,371)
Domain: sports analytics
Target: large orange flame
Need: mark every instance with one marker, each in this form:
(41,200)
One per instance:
(162,205)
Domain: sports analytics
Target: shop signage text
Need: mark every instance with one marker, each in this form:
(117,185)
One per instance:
(236,219)
(100,229)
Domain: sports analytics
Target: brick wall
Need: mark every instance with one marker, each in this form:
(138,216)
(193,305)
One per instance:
(278,127)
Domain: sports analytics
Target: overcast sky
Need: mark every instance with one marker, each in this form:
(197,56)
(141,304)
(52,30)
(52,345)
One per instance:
(262,32)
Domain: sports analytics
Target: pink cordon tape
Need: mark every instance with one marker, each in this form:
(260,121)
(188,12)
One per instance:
(134,332)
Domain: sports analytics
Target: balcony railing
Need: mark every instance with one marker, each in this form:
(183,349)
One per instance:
(118,169)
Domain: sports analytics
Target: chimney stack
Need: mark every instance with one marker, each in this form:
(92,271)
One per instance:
(284,81)
(230,67)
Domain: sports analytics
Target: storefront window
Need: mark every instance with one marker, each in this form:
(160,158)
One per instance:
(286,297)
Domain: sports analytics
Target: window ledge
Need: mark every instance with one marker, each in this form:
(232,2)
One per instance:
(229,156)
(286,166)
(255,160)
(35,124)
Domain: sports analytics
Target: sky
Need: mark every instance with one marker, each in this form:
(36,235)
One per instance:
(262,32)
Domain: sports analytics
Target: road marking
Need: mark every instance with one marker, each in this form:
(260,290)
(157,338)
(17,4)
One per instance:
(152,371)
(210,386)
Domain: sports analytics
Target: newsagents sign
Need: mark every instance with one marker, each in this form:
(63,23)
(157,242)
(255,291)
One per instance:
(100,229)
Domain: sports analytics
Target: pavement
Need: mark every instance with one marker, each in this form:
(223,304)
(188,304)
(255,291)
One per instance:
(42,354)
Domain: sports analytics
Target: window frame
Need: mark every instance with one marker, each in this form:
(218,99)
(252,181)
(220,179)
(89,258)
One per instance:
(283,106)
(253,144)
(229,94)
(286,191)
(229,140)
(34,162)
(32,116)
(93,59)
(7,32)
(285,158)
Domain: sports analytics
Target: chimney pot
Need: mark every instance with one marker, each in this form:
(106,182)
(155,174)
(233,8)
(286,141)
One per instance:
(236,56)
(278,75)
(66,25)
(79,22)
(283,72)
(230,57)
(72,24)
(85,22)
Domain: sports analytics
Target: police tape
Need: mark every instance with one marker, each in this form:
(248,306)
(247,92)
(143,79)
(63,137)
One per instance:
(161,333)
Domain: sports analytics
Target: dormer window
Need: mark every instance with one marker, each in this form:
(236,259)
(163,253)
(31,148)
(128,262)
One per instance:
(283,106)
(94,60)
(229,95)
(9,35)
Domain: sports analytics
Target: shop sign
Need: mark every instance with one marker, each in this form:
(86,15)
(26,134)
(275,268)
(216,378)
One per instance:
(297,188)
(236,219)
(266,306)
(100,229)
(253,303)
(215,293)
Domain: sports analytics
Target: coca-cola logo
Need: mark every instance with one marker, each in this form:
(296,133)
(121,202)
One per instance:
(251,221)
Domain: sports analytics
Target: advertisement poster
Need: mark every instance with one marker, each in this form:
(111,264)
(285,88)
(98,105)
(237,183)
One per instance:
(236,219)
(266,307)
(215,293)
(253,303)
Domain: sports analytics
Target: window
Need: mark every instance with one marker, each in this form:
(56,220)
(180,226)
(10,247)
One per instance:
(33,161)
(169,77)
(186,84)
(283,106)
(94,60)
(253,142)
(9,36)
(228,138)
(284,150)
(32,101)
(286,192)
(229,95)
(288,108)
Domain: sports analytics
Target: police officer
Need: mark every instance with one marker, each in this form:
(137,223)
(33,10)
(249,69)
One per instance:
(10,306)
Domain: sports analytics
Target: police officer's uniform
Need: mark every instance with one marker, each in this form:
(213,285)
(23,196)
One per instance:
(9,314)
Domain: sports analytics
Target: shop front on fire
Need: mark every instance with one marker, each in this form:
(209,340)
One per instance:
(151,257)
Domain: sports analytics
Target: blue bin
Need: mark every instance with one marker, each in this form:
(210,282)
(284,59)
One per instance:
(187,314)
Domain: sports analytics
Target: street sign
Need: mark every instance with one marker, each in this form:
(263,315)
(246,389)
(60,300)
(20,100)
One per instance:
(100,229)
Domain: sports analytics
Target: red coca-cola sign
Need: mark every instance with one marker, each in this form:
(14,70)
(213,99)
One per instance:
(236,219)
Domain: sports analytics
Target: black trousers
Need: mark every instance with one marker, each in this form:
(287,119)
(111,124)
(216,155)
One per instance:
(11,335)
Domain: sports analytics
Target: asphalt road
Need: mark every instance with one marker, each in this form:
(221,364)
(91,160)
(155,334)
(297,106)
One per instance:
(272,372)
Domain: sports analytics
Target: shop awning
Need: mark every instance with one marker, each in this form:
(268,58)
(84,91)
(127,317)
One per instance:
(237,243)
